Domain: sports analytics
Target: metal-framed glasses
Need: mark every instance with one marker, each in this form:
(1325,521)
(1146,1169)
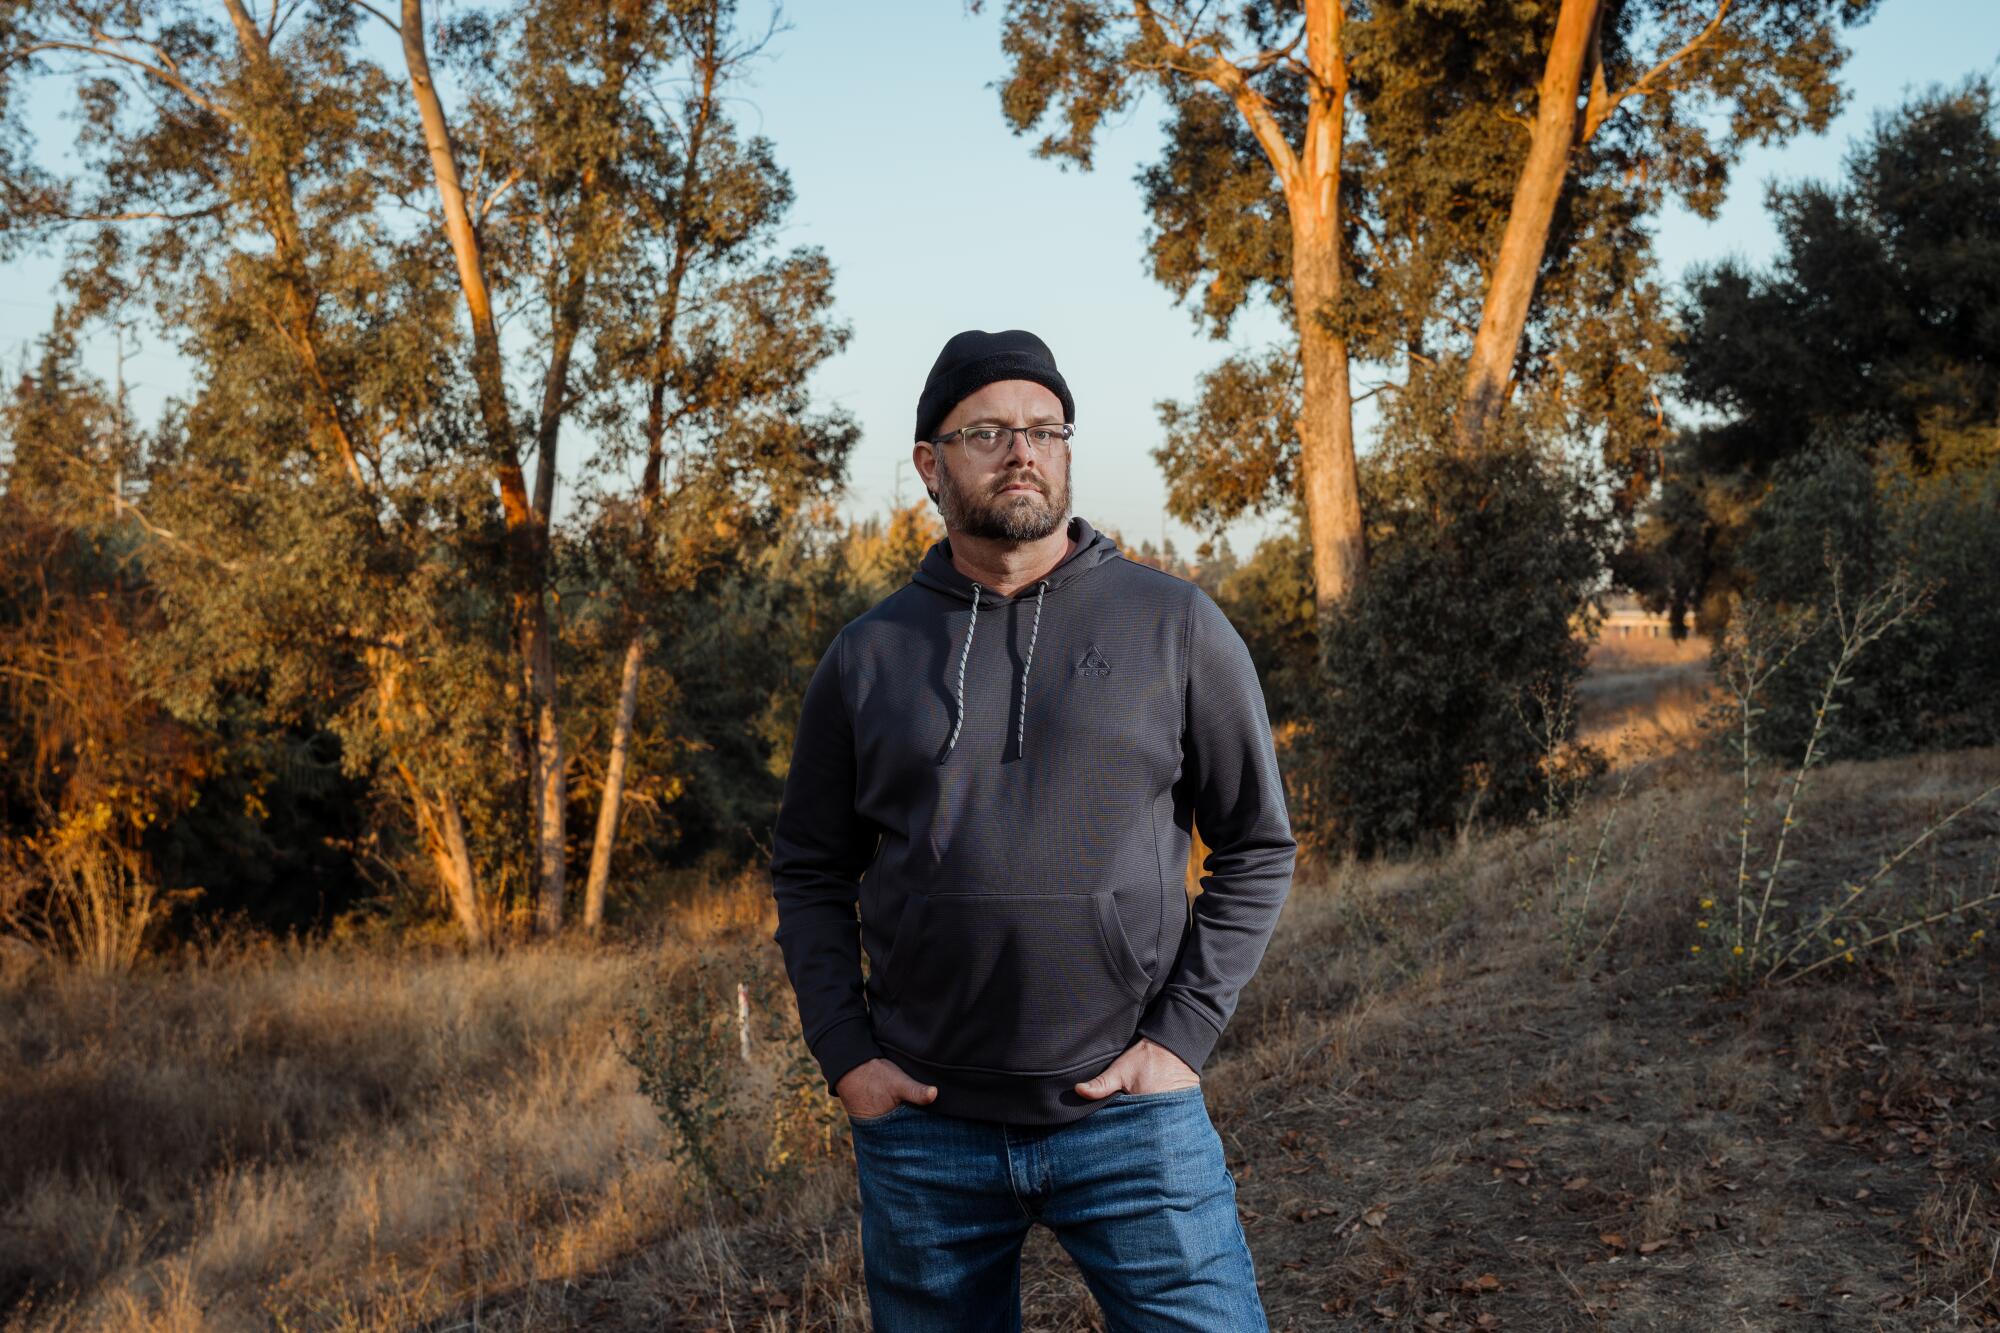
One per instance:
(985,441)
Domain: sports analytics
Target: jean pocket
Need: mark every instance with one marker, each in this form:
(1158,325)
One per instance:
(1192,1090)
(890,1114)
(1015,983)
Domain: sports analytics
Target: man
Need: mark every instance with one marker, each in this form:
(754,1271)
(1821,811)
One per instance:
(1001,762)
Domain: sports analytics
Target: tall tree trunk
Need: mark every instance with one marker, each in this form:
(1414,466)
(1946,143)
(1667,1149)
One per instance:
(1326,419)
(1511,289)
(614,783)
(444,839)
(1310,177)
(1326,429)
(526,548)
(555,389)
(611,805)
(440,822)
(299,316)
(613,801)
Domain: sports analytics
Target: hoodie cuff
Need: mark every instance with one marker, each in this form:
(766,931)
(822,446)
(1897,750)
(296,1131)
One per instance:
(843,1046)
(1181,1029)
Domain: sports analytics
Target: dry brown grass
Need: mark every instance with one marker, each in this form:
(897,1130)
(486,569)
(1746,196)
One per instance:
(333,1137)
(1429,1126)
(1611,651)
(1646,711)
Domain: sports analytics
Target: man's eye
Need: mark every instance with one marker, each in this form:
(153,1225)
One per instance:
(1044,436)
(983,435)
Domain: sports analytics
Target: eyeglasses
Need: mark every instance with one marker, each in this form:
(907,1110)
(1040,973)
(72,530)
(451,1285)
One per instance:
(984,442)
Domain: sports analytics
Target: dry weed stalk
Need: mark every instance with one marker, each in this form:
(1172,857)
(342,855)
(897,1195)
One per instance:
(101,904)
(745,1115)
(1757,644)
(1569,772)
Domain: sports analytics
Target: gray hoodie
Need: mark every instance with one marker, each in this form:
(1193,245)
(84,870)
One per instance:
(1007,787)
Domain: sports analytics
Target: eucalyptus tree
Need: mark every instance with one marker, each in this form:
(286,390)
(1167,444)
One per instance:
(1450,189)
(701,366)
(333,233)
(235,178)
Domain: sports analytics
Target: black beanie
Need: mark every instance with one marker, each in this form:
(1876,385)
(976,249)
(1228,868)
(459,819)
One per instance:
(974,359)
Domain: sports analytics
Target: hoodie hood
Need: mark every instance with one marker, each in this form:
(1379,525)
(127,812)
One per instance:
(937,572)
(1093,548)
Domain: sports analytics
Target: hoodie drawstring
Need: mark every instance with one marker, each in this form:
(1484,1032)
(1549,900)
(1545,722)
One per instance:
(1021,742)
(1021,735)
(970,630)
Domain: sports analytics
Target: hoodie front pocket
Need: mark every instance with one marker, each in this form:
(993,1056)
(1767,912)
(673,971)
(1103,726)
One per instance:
(1020,983)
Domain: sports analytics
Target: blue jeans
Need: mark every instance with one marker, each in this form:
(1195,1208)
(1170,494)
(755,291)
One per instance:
(1137,1192)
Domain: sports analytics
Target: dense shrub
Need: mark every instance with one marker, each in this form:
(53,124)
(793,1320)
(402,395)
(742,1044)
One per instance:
(1445,671)
(1929,683)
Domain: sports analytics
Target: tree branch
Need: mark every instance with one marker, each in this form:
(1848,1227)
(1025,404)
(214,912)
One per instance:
(393,25)
(1603,103)
(160,73)
(208,212)
(1235,85)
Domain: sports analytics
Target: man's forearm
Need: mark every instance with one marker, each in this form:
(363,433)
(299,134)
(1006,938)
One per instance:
(1239,806)
(822,950)
(819,851)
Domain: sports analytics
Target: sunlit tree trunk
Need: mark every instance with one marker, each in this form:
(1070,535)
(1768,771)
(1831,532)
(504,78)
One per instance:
(1511,290)
(1326,426)
(1310,177)
(439,819)
(612,803)
(443,831)
(610,808)
(526,548)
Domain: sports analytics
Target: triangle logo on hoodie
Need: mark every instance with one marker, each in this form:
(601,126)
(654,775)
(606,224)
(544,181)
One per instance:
(1093,663)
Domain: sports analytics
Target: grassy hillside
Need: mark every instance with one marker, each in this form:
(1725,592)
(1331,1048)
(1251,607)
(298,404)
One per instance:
(1435,1121)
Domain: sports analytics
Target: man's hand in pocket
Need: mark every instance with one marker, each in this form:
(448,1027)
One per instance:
(875,1086)
(1146,1066)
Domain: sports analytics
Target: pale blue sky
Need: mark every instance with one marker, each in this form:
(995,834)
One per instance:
(888,121)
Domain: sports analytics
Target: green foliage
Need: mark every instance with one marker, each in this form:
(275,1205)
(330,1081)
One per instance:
(317,519)
(1269,599)
(1233,450)
(1928,684)
(1440,671)
(1876,323)
(730,1079)
(1438,97)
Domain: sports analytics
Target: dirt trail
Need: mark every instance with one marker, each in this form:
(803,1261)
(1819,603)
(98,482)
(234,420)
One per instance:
(1432,1127)
(1619,1153)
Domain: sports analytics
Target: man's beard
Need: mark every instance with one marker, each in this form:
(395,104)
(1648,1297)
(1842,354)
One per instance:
(1019,516)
